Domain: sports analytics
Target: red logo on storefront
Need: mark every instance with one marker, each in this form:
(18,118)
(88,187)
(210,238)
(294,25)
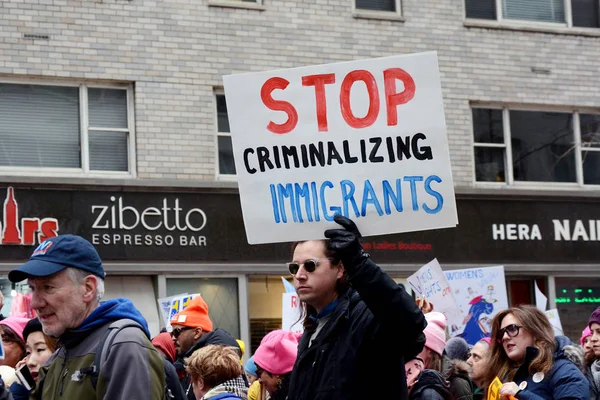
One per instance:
(30,229)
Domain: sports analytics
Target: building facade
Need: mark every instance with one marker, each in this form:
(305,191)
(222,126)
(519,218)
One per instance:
(113,125)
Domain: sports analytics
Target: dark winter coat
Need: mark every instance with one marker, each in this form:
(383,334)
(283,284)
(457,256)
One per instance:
(563,381)
(359,353)
(457,373)
(173,383)
(430,385)
(593,376)
(133,368)
(218,336)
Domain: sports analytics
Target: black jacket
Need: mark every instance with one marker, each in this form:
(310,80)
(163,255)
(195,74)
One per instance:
(218,336)
(430,385)
(457,374)
(173,384)
(360,352)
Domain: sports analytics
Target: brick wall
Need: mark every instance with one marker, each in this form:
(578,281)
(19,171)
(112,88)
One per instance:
(176,52)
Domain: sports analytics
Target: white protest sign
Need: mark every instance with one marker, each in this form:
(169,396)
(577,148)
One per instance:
(291,312)
(429,281)
(541,301)
(480,294)
(554,319)
(169,306)
(366,139)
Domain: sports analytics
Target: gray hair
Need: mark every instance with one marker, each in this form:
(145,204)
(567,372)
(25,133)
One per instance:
(78,275)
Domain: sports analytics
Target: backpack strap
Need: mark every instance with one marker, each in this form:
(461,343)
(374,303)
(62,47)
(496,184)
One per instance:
(104,345)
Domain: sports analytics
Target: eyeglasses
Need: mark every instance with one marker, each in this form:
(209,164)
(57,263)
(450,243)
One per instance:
(177,331)
(309,265)
(512,330)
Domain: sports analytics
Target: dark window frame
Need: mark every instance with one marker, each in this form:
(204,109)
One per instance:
(583,146)
(576,13)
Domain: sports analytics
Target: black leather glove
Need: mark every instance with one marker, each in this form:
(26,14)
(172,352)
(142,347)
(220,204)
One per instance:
(346,243)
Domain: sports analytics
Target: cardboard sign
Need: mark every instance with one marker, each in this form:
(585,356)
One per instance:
(429,281)
(480,294)
(291,313)
(169,306)
(366,139)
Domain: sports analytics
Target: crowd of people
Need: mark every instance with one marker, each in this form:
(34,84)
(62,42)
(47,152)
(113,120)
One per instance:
(364,337)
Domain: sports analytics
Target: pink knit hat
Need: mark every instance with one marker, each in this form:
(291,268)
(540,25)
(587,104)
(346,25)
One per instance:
(17,324)
(277,352)
(587,332)
(487,340)
(435,332)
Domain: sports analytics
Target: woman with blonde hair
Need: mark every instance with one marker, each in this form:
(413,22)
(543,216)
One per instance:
(529,360)
(216,373)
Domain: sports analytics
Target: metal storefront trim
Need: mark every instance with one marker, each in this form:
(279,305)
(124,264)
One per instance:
(217,269)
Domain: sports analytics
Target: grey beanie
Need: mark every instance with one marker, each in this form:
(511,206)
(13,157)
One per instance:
(457,349)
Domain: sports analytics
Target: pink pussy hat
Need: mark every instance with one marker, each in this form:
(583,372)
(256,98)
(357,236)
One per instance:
(277,352)
(17,324)
(587,332)
(435,332)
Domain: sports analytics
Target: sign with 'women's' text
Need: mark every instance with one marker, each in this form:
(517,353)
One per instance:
(366,139)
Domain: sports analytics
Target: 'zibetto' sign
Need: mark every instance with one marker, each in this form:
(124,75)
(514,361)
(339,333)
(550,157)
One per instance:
(117,222)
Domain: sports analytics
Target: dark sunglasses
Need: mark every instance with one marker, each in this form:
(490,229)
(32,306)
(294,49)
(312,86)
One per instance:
(177,331)
(309,265)
(512,330)
(259,371)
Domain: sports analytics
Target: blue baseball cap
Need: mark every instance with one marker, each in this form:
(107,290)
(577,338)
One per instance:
(57,253)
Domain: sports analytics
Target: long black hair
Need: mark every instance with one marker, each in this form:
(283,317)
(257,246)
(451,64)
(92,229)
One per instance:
(342,286)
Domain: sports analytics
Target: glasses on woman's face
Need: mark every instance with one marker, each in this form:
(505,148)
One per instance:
(309,265)
(177,331)
(512,330)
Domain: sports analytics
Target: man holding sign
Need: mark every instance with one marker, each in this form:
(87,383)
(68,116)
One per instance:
(364,140)
(356,315)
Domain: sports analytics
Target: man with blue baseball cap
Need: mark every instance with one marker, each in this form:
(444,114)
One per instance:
(66,277)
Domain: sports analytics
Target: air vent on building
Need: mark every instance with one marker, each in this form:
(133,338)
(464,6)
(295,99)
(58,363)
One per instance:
(36,37)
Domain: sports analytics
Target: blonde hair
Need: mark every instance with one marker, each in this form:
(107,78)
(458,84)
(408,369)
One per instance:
(536,323)
(214,364)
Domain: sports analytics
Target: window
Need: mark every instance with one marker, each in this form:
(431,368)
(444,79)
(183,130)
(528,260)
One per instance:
(378,5)
(78,129)
(221,296)
(576,299)
(583,13)
(514,146)
(225,149)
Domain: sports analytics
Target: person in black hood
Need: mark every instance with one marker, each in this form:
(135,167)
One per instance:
(430,385)
(193,330)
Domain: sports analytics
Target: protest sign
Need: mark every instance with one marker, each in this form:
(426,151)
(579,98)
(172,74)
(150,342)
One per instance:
(366,139)
(169,306)
(430,282)
(480,294)
(289,288)
(494,391)
(291,312)
(541,301)
(554,319)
